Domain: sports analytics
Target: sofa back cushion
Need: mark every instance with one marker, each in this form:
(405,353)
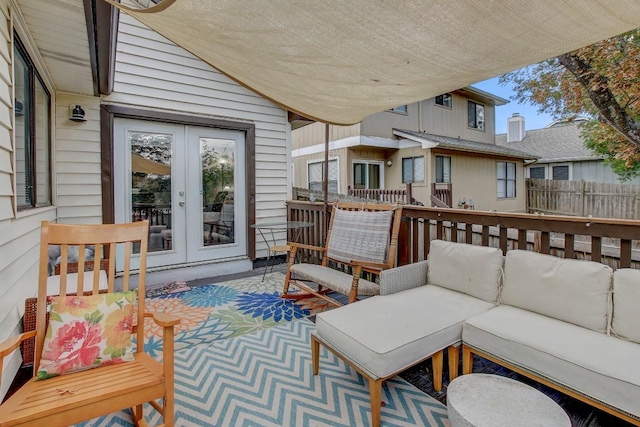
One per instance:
(566,289)
(470,269)
(625,322)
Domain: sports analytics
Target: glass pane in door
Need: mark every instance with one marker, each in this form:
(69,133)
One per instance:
(151,186)
(217,162)
(374,176)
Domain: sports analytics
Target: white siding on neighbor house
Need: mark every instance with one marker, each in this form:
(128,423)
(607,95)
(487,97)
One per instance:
(597,171)
(154,73)
(19,235)
(77,162)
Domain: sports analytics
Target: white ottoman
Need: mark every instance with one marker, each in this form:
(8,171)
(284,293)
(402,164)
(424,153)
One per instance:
(481,400)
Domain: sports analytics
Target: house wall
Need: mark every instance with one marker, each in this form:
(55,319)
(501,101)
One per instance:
(314,134)
(597,171)
(475,177)
(19,231)
(154,73)
(453,122)
(300,178)
(382,124)
(393,176)
(77,161)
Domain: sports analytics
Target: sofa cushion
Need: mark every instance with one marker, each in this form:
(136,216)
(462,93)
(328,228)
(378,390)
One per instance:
(333,279)
(384,334)
(589,362)
(480,276)
(626,304)
(566,289)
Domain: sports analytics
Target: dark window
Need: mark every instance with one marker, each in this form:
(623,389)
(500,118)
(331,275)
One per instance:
(561,173)
(32,132)
(367,175)
(476,115)
(413,169)
(537,172)
(443,169)
(506,180)
(444,100)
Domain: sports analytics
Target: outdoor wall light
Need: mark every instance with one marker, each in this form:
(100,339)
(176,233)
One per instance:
(389,162)
(76,113)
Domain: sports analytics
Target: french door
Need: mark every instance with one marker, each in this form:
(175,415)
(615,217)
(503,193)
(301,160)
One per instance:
(188,181)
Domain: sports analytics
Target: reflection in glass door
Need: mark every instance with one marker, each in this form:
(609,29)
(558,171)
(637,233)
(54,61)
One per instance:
(151,185)
(218,190)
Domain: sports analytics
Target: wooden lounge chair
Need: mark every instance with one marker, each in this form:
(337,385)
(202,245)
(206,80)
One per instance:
(361,236)
(73,397)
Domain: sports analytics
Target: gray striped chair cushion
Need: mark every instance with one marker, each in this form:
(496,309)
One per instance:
(360,235)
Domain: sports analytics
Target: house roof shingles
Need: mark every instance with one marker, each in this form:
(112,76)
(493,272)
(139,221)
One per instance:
(554,144)
(469,146)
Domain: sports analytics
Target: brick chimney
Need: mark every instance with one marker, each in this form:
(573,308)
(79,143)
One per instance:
(515,128)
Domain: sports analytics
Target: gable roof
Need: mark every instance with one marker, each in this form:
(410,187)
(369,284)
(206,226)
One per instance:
(559,143)
(430,140)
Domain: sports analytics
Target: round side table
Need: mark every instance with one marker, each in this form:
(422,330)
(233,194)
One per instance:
(481,400)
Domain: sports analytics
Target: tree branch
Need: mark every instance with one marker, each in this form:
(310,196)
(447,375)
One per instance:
(598,90)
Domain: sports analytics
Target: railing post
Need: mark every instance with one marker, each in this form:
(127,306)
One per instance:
(409,194)
(404,242)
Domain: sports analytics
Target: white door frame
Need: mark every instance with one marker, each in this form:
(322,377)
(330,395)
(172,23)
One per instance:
(186,203)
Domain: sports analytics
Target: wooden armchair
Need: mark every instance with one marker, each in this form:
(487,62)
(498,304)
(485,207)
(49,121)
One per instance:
(362,236)
(70,398)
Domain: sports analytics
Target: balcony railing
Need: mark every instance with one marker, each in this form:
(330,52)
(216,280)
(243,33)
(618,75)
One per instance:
(609,241)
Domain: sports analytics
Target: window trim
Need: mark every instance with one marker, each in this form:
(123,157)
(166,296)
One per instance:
(310,162)
(368,162)
(506,180)
(413,159)
(34,77)
(448,107)
(435,169)
(484,123)
(546,171)
(569,171)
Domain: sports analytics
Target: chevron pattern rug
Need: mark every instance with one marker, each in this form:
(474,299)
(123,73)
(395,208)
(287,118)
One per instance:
(265,379)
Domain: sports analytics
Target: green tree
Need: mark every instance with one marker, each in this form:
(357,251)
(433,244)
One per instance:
(601,82)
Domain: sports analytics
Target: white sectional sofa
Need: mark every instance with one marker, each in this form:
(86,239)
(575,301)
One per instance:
(408,323)
(549,318)
(559,325)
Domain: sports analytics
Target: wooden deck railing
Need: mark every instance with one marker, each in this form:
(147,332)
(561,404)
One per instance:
(609,241)
(441,191)
(389,196)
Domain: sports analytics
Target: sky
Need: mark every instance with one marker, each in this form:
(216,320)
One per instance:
(532,119)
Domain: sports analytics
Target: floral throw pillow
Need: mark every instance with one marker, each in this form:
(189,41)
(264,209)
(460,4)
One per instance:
(87,332)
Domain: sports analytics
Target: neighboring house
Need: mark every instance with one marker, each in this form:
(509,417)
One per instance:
(104,120)
(445,146)
(561,151)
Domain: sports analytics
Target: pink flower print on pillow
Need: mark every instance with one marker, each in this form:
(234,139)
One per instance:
(87,332)
(75,347)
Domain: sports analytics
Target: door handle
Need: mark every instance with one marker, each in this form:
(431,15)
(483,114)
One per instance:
(181,203)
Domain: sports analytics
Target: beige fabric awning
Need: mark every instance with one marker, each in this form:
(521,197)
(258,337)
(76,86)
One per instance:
(140,164)
(340,61)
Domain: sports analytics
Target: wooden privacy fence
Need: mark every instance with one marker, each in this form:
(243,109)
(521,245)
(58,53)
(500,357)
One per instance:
(614,242)
(582,198)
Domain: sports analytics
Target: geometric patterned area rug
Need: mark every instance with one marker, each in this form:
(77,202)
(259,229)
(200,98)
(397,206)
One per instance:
(225,310)
(265,379)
